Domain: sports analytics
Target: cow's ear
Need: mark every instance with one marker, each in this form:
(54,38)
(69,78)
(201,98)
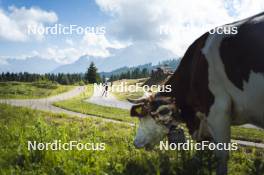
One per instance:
(137,110)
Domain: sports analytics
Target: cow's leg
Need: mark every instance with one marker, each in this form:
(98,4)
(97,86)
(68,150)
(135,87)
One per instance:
(219,125)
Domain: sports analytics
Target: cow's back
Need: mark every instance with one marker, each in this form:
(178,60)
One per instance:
(244,52)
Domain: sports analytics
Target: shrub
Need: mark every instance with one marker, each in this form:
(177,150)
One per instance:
(45,84)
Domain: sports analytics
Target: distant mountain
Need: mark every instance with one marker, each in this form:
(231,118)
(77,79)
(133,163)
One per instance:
(172,63)
(133,55)
(125,69)
(140,53)
(79,66)
(30,64)
(137,54)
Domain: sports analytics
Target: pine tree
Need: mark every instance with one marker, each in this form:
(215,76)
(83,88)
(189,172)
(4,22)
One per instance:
(91,74)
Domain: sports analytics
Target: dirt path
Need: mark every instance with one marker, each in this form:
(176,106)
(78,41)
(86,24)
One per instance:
(108,100)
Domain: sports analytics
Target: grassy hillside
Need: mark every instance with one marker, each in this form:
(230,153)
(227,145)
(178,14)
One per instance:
(20,90)
(20,125)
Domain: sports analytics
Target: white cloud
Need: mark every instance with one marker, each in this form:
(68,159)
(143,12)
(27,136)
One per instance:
(14,22)
(69,42)
(98,45)
(3,61)
(245,8)
(136,20)
(90,44)
(9,30)
(61,55)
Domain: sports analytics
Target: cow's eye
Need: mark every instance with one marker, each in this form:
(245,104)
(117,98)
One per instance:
(164,111)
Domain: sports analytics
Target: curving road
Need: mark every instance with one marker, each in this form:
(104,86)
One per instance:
(109,100)
(45,104)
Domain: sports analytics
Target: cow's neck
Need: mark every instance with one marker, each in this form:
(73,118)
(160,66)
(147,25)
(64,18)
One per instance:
(189,83)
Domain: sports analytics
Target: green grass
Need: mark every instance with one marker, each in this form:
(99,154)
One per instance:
(125,95)
(20,125)
(78,105)
(240,133)
(18,90)
(248,134)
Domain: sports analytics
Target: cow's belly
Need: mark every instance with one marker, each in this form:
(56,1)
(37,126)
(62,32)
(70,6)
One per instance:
(248,104)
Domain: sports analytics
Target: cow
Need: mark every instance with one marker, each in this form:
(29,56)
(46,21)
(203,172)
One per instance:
(218,83)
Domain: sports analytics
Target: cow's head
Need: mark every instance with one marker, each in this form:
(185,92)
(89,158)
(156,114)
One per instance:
(157,115)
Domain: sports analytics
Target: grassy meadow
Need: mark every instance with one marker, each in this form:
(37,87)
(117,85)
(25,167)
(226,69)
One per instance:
(20,125)
(19,90)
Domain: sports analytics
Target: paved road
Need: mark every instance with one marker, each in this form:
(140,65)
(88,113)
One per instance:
(247,143)
(110,100)
(45,104)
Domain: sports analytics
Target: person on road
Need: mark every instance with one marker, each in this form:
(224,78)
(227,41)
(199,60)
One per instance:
(105,90)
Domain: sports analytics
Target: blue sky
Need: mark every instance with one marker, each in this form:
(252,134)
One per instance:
(79,12)
(130,22)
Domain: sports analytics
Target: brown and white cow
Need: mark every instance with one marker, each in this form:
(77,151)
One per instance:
(219,83)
